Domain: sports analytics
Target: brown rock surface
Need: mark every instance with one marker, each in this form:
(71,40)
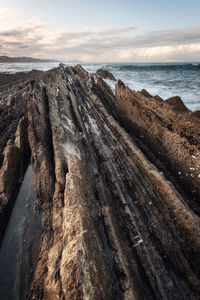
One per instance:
(177,104)
(158,98)
(146,94)
(170,135)
(117,224)
(196,114)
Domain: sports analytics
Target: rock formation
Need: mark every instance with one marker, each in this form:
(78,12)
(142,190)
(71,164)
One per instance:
(7,79)
(177,104)
(105,74)
(118,183)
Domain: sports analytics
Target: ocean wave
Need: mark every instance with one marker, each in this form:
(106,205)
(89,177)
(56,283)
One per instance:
(156,67)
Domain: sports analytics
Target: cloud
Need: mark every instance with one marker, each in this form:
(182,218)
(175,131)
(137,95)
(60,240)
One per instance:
(15,33)
(21,35)
(123,44)
(168,37)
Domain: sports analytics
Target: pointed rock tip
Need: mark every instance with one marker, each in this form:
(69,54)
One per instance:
(177,103)
(121,84)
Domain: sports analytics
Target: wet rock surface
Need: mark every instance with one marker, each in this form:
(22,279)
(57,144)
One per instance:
(118,183)
(21,243)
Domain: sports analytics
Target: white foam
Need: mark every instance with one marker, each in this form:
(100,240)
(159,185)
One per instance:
(138,243)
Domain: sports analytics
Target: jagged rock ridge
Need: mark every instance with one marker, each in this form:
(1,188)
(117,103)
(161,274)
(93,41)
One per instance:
(119,221)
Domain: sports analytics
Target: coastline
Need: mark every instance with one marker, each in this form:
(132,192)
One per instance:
(165,80)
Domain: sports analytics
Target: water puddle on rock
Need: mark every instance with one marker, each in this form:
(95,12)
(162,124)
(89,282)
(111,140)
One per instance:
(20,245)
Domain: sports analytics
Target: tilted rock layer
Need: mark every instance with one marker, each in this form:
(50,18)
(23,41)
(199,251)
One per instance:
(118,182)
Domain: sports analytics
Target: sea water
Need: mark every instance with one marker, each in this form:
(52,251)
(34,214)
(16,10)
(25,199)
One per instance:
(163,79)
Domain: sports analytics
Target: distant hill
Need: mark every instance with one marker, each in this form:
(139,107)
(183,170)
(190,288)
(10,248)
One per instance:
(7,59)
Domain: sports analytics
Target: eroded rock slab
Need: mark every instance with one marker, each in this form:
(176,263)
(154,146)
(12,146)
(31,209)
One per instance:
(116,226)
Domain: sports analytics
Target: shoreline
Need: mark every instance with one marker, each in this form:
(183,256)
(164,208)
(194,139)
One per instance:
(163,80)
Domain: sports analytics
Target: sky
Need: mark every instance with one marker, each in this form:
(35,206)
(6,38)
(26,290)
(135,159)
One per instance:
(101,31)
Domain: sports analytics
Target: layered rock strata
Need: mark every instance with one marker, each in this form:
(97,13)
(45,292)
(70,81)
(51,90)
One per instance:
(119,221)
(168,132)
